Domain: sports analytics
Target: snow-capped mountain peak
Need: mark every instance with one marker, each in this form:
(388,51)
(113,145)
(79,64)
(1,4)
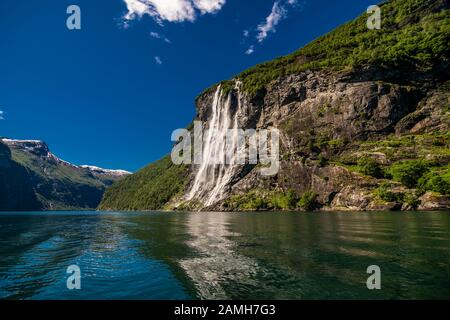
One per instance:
(98,170)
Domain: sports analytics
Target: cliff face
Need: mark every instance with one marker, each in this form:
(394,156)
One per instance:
(364,120)
(331,121)
(33,178)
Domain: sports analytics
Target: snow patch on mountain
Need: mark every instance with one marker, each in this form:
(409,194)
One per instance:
(95,169)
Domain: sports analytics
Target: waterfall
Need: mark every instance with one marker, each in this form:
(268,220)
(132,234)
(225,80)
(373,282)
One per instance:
(214,174)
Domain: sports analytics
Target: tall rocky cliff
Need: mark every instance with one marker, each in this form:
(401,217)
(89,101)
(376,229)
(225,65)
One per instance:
(364,118)
(332,121)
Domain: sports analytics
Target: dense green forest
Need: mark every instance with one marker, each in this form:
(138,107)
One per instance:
(151,188)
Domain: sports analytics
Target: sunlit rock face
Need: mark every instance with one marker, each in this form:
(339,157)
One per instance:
(321,114)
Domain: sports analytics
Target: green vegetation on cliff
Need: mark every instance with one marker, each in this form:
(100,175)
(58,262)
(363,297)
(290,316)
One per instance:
(370,167)
(418,161)
(408,172)
(260,200)
(148,189)
(414,34)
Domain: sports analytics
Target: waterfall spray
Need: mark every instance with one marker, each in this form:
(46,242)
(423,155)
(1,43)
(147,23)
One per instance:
(216,171)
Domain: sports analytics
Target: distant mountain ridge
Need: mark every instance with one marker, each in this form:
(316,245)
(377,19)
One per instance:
(33,178)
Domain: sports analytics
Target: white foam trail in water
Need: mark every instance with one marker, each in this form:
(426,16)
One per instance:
(214,174)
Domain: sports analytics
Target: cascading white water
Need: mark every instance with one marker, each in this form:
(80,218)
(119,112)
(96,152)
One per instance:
(214,173)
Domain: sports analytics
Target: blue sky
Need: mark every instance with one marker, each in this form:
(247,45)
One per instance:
(111,93)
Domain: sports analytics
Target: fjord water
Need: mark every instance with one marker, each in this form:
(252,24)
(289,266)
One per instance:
(224,256)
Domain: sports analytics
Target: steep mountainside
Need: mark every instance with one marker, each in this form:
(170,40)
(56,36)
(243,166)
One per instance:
(149,189)
(364,117)
(32,178)
(16,191)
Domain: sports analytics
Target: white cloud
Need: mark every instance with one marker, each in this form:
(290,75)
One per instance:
(278,13)
(209,6)
(2,115)
(171,10)
(280,10)
(158,60)
(136,9)
(157,35)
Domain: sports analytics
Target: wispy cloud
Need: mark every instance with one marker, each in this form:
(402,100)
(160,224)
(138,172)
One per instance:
(171,10)
(158,60)
(2,115)
(157,35)
(280,11)
(273,19)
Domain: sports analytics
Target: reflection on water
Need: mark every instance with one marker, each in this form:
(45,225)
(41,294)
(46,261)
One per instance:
(217,258)
(225,256)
